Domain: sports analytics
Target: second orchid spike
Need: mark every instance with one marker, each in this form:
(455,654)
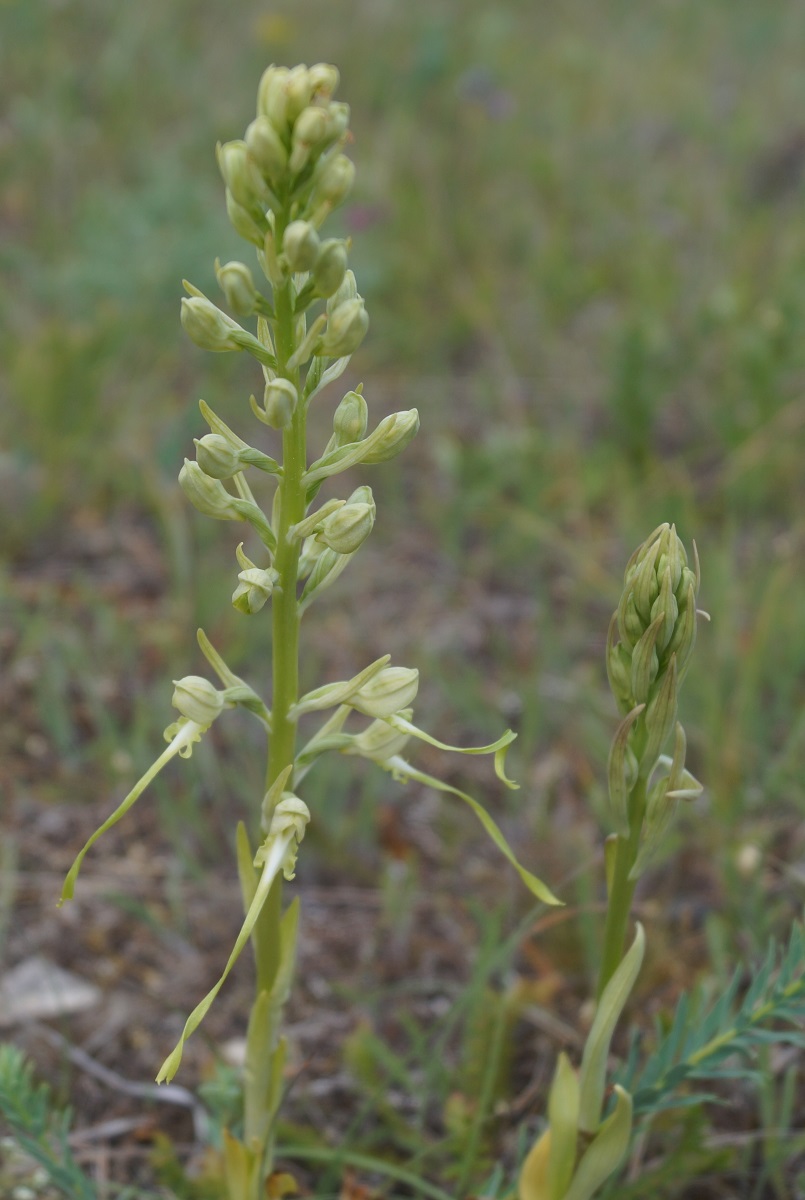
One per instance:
(652,635)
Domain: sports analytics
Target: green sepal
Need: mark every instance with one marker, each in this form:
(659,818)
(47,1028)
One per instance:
(330,695)
(403,770)
(247,454)
(240,693)
(596,1050)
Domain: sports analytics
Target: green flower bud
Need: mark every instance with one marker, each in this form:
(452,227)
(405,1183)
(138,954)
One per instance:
(339,121)
(237,284)
(619,668)
(206,494)
(346,329)
(387,693)
(243,223)
(392,436)
(298,92)
(311,130)
(279,402)
(216,456)
(346,529)
(350,419)
(645,663)
(241,175)
(666,606)
(330,266)
(253,590)
(655,623)
(197,699)
(272,96)
(323,79)
(266,148)
(644,583)
(207,326)
(333,183)
(300,245)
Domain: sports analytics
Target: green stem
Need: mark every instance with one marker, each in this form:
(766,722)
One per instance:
(621,888)
(289,510)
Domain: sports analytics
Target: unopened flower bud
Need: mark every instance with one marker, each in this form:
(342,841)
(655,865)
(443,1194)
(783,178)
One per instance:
(266,148)
(298,92)
(350,419)
(237,284)
(197,699)
(323,79)
(339,121)
(346,529)
(310,131)
(392,435)
(206,494)
(346,329)
(244,223)
(207,326)
(272,97)
(652,635)
(387,693)
(216,456)
(279,402)
(334,181)
(241,175)
(330,266)
(300,245)
(253,590)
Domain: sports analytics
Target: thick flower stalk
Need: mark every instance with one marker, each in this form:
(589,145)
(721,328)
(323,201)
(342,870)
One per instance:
(282,180)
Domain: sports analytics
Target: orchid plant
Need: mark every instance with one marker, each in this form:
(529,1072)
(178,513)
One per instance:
(283,180)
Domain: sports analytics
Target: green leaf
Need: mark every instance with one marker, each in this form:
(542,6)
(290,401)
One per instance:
(596,1049)
(606,1152)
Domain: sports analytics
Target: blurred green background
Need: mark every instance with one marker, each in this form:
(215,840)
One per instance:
(579,230)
